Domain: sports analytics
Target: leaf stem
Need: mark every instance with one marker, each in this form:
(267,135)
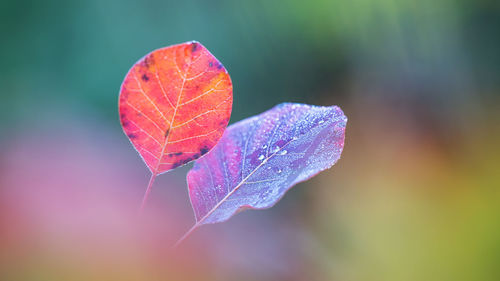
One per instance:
(148,190)
(200,221)
(185,235)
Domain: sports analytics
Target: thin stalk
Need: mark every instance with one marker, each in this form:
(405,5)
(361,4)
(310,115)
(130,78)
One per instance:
(185,235)
(148,191)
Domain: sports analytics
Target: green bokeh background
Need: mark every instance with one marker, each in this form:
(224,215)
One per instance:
(416,195)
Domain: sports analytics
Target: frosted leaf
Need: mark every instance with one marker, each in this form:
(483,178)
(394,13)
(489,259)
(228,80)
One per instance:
(311,137)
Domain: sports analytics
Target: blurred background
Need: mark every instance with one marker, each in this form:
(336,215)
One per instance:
(416,195)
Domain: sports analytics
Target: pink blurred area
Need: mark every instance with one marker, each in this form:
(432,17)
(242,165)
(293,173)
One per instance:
(69,210)
(70,198)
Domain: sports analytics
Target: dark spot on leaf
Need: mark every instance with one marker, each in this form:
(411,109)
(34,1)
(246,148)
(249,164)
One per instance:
(145,78)
(167,132)
(148,61)
(125,123)
(210,64)
(132,136)
(174,154)
(181,162)
(187,159)
(219,66)
(204,150)
(194,47)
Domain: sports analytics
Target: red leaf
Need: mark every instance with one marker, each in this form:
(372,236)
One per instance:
(175,104)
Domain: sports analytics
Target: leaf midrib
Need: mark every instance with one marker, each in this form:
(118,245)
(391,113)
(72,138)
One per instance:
(173,116)
(198,223)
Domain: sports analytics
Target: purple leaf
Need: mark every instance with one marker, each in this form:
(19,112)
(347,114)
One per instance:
(258,159)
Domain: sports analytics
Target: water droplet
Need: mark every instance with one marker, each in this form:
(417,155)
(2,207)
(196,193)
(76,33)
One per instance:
(261,157)
(279,171)
(264,146)
(321,122)
(283,152)
(294,138)
(275,149)
(265,194)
